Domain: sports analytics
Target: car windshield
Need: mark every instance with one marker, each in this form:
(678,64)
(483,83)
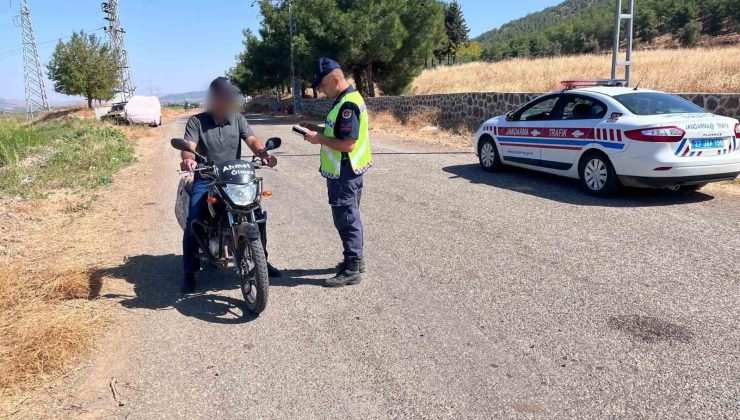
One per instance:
(655,103)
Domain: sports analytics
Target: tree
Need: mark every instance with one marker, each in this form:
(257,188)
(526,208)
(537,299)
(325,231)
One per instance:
(376,33)
(690,34)
(472,51)
(424,23)
(84,66)
(383,42)
(646,22)
(456,29)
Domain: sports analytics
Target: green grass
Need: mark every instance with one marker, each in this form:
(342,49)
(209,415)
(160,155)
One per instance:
(38,158)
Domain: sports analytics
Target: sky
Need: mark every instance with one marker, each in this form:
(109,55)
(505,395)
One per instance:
(176,46)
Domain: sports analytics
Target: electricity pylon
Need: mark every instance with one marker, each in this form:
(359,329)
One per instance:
(627,62)
(36,99)
(115,35)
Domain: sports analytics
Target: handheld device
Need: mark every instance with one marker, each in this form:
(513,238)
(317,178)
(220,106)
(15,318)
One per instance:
(300,131)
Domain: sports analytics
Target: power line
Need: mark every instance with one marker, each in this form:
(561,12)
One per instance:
(9,53)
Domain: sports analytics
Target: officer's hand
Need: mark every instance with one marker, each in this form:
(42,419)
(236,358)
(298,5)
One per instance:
(188,165)
(312,137)
(270,161)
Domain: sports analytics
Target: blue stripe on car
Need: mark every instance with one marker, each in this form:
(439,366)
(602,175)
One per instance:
(563,142)
(680,147)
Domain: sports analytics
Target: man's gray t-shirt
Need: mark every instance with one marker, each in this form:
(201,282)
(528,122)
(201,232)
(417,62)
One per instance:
(218,142)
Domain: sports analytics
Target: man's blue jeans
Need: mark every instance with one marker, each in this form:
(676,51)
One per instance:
(196,211)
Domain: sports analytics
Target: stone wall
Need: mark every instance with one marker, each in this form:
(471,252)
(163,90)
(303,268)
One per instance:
(472,109)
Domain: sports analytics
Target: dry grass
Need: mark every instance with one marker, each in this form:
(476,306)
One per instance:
(77,111)
(46,320)
(423,124)
(679,70)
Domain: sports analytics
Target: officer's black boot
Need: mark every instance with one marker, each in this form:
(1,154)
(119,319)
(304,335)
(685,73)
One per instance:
(188,283)
(340,266)
(349,274)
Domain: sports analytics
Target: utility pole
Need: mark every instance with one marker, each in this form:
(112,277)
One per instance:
(297,88)
(627,62)
(36,99)
(115,35)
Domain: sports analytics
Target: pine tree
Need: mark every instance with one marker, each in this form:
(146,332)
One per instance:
(456,28)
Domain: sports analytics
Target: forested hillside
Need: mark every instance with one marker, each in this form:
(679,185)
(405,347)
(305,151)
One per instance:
(584,26)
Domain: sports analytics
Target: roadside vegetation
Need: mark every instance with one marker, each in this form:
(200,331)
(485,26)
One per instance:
(41,157)
(586,26)
(49,172)
(712,70)
(422,124)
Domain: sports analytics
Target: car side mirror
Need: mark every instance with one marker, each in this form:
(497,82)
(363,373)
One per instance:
(510,116)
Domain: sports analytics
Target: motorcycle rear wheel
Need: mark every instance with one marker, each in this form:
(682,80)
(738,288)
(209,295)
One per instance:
(256,284)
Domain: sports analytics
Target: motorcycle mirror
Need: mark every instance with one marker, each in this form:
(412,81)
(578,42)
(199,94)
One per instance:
(181,145)
(184,146)
(273,143)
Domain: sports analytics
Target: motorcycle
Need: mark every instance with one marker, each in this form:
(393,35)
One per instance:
(231,233)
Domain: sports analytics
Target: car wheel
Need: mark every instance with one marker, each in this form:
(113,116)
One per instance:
(598,176)
(488,155)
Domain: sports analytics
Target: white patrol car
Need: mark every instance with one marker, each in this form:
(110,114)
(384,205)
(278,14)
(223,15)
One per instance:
(611,136)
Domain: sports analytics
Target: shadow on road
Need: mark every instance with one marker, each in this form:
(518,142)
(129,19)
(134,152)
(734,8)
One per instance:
(567,190)
(156,281)
(293,278)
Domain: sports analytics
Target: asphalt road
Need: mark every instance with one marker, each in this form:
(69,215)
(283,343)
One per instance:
(486,295)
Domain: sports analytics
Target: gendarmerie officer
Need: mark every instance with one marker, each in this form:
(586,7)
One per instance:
(345,157)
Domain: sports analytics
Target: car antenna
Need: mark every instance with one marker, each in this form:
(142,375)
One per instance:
(640,82)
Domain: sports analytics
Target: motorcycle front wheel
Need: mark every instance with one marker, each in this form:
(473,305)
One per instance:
(256,284)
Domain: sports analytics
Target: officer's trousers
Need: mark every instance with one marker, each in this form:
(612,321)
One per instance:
(344,198)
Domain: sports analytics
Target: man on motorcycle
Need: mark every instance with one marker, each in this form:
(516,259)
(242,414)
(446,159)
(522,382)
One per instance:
(216,134)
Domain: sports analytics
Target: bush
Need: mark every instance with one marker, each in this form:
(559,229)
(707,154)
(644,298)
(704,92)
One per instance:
(690,34)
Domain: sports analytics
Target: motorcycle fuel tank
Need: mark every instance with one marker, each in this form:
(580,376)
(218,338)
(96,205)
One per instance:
(236,172)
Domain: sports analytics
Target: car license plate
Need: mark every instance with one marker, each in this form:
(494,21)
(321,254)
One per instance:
(708,144)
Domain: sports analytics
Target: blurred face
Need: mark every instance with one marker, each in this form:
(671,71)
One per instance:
(220,103)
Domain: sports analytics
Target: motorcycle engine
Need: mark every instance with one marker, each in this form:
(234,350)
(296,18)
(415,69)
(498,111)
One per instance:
(213,246)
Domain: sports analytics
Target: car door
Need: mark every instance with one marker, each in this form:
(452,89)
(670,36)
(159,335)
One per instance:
(520,136)
(570,130)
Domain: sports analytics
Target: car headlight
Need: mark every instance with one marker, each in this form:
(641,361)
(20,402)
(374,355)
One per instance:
(241,195)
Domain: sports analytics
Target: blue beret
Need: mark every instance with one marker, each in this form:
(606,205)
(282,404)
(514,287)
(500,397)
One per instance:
(323,67)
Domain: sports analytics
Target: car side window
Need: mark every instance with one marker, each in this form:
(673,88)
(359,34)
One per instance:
(539,111)
(582,108)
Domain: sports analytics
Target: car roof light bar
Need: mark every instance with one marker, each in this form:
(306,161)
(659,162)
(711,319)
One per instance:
(574,84)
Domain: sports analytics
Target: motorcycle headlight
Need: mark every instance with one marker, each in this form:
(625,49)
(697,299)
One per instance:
(241,195)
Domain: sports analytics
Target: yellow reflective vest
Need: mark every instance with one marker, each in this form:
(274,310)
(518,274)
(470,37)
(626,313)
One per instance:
(360,157)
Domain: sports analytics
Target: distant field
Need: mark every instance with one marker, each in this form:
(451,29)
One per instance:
(711,70)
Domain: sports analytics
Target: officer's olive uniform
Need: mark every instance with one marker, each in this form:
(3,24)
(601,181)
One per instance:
(344,171)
